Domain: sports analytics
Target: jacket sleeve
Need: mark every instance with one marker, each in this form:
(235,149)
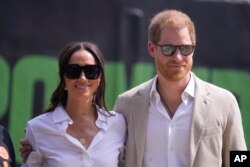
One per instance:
(233,136)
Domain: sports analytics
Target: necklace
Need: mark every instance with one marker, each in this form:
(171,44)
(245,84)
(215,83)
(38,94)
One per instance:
(81,139)
(166,107)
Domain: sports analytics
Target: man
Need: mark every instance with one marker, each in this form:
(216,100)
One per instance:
(176,119)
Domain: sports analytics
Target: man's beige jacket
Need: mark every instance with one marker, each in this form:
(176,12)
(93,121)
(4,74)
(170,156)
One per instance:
(216,126)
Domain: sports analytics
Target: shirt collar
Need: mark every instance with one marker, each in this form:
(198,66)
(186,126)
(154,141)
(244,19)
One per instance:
(188,92)
(60,115)
(153,90)
(101,121)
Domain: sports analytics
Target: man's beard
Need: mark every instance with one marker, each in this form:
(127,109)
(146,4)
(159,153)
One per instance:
(171,74)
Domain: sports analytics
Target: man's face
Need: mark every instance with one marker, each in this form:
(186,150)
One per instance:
(177,66)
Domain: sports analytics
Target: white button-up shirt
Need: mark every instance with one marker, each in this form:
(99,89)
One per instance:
(55,148)
(167,142)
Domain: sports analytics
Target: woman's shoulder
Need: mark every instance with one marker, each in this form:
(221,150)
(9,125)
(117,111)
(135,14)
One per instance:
(113,118)
(43,118)
(117,116)
(112,115)
(57,115)
(117,126)
(117,120)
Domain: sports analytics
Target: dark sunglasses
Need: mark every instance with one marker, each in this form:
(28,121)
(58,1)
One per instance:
(74,71)
(169,50)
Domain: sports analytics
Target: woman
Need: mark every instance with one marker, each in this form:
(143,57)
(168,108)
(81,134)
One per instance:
(77,130)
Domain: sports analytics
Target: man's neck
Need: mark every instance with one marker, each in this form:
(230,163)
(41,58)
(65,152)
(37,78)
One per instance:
(170,91)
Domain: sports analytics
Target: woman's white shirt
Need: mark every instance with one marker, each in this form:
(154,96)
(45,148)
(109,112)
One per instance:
(53,147)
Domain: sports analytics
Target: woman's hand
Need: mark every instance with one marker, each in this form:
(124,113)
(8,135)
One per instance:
(25,149)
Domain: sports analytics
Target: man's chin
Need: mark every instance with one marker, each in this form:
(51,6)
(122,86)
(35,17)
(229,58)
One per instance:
(176,77)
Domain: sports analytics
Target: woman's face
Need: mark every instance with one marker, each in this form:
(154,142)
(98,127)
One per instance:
(81,88)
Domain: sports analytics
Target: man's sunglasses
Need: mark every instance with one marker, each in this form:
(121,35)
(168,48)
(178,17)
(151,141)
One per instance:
(74,71)
(169,50)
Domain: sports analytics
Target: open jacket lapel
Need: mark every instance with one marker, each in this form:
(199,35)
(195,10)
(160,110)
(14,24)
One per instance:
(140,119)
(202,108)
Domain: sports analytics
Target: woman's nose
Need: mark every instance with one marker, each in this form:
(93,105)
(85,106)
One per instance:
(83,75)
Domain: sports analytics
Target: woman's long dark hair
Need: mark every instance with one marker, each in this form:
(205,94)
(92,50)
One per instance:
(60,95)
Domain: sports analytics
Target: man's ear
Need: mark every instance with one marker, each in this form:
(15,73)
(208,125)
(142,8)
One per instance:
(151,49)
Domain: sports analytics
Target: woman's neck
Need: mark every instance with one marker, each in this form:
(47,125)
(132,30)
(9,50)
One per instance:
(79,110)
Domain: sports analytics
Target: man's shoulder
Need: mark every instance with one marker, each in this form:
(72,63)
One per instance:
(141,87)
(213,88)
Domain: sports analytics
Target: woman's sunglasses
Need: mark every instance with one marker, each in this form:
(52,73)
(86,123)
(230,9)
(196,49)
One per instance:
(169,50)
(74,71)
